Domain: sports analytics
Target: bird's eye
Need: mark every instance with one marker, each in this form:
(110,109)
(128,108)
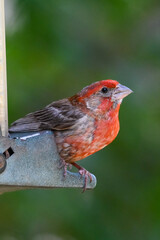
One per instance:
(104,90)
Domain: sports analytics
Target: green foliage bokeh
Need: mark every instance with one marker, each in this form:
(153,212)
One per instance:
(55,48)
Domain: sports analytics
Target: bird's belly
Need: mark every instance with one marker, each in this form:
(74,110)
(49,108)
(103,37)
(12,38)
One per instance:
(88,138)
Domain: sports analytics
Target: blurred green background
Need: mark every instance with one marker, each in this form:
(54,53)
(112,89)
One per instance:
(55,48)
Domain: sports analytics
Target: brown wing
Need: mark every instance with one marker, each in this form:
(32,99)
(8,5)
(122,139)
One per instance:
(59,115)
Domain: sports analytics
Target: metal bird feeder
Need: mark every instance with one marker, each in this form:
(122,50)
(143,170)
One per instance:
(28,160)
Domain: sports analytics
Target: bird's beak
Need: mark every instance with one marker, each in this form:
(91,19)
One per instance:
(120,92)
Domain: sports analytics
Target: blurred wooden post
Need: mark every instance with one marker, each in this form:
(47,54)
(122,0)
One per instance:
(3,77)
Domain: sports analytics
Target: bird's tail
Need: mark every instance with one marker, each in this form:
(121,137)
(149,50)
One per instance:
(27,124)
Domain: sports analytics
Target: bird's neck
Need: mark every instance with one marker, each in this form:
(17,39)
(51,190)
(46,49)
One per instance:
(101,108)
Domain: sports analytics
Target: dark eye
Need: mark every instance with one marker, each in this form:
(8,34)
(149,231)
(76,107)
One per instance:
(104,90)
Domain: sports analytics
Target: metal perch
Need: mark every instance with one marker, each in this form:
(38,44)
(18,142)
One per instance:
(34,162)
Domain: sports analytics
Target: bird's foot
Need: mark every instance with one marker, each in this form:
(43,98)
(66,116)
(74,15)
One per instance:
(65,165)
(85,173)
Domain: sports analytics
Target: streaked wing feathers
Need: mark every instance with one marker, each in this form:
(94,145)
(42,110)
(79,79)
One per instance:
(59,115)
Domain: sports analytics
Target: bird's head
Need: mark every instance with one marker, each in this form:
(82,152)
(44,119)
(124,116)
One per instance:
(102,96)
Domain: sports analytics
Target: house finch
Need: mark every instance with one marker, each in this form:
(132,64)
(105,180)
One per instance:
(82,124)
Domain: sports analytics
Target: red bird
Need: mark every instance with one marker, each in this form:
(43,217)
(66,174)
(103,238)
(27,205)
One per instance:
(82,124)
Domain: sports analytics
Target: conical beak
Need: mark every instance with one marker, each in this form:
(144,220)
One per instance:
(121,92)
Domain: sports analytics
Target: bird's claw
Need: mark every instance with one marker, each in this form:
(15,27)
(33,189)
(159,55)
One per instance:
(86,174)
(64,165)
(82,171)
